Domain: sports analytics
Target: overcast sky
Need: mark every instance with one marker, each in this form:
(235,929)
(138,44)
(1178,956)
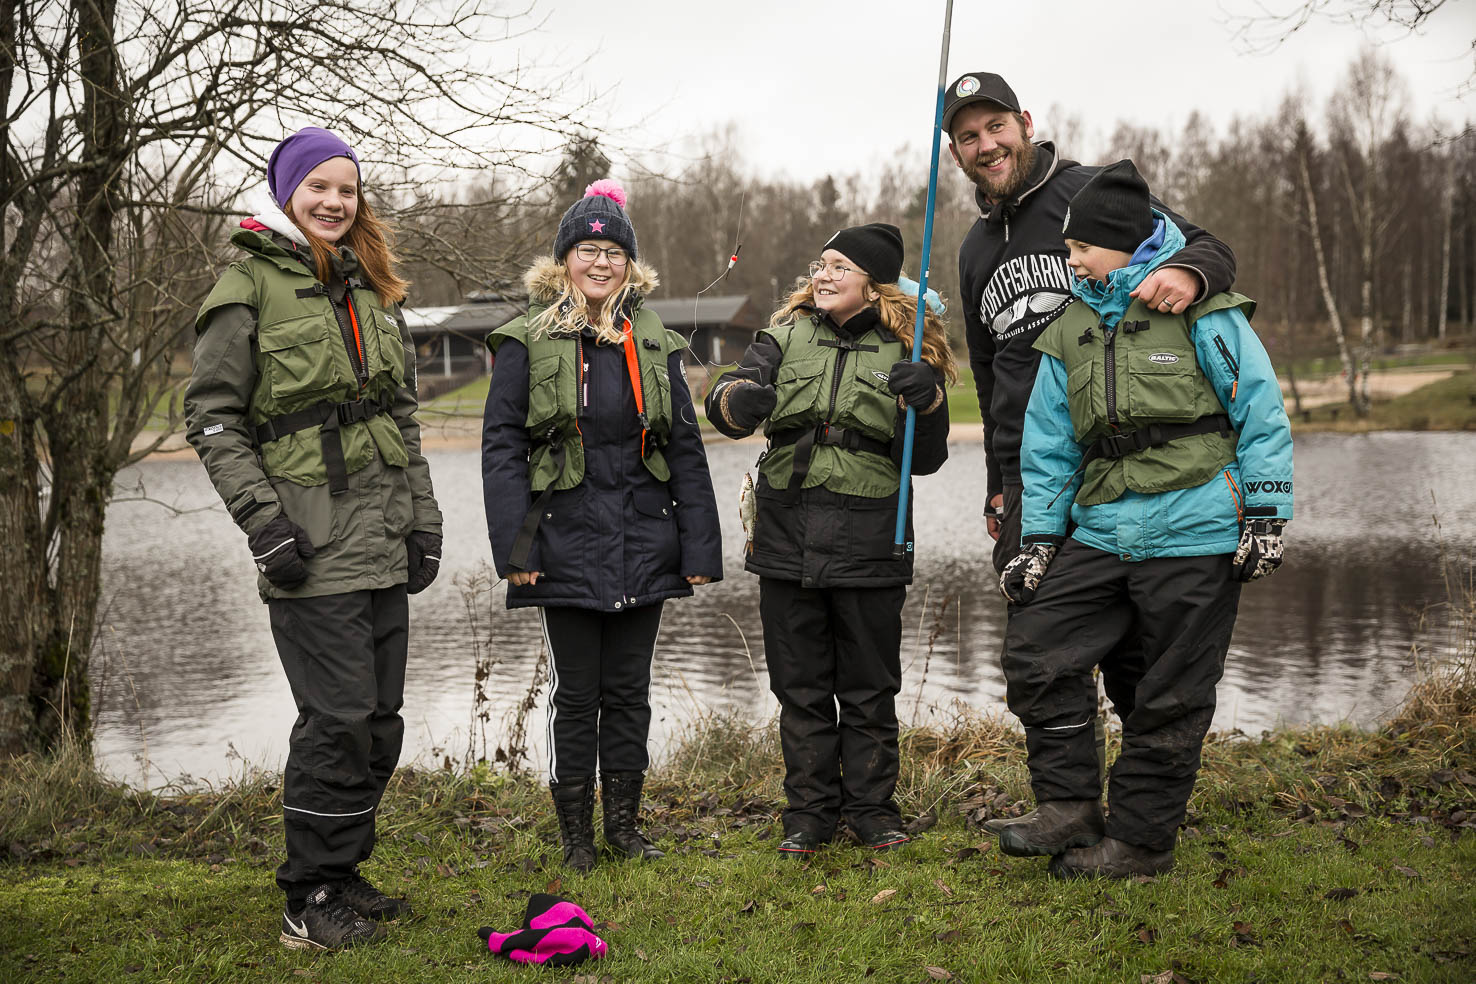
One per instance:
(840,85)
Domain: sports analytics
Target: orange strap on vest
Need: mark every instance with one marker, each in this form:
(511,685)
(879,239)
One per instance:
(348,300)
(633,368)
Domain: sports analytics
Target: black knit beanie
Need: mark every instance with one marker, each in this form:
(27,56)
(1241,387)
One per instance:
(1111,210)
(600,214)
(875,248)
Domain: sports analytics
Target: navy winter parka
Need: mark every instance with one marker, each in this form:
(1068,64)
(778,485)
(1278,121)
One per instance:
(621,537)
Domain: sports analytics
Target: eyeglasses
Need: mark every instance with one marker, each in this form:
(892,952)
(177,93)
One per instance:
(835,271)
(589,253)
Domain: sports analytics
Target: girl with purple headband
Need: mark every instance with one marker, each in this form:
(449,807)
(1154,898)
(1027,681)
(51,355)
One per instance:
(301,406)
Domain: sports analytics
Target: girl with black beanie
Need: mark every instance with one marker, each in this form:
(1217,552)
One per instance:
(830,379)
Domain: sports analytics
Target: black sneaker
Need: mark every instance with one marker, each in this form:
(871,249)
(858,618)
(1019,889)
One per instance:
(885,840)
(326,922)
(800,845)
(370,902)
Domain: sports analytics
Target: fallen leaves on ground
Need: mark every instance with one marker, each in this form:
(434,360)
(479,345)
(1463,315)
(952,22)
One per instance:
(883,895)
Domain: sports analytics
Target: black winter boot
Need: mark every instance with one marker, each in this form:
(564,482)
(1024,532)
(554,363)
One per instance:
(1111,858)
(1050,828)
(574,806)
(621,795)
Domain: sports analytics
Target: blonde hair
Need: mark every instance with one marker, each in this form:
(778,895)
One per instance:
(570,311)
(898,314)
(372,241)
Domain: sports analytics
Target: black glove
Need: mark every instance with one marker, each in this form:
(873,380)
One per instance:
(747,404)
(423,554)
(279,549)
(1259,552)
(915,382)
(1022,575)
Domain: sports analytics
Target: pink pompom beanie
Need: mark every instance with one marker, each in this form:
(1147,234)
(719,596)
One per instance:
(600,214)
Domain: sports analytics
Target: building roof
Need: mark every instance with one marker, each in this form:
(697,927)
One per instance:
(676,312)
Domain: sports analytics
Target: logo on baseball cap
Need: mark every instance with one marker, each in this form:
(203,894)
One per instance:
(977,87)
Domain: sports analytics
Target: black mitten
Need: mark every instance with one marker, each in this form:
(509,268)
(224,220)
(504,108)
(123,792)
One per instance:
(279,549)
(423,556)
(747,404)
(915,382)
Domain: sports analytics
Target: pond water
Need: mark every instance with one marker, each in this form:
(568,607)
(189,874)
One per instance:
(188,683)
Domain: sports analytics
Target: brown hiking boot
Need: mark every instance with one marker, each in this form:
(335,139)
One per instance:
(1050,828)
(1111,858)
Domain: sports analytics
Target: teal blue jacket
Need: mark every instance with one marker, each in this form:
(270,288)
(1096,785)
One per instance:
(1185,522)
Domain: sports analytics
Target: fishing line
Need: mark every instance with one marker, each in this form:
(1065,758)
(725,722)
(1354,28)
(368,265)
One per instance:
(732,262)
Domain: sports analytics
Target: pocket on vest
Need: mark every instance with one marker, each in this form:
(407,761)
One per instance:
(1162,391)
(298,358)
(391,347)
(1079,392)
(797,388)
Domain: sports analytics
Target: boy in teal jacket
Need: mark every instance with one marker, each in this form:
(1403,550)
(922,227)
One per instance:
(1157,470)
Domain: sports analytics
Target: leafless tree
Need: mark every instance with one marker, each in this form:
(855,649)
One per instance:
(129,126)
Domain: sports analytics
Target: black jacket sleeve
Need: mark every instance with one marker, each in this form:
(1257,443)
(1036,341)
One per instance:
(690,485)
(759,363)
(980,341)
(505,487)
(1202,253)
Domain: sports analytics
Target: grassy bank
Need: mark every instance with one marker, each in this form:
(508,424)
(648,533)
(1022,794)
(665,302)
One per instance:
(1447,404)
(1319,855)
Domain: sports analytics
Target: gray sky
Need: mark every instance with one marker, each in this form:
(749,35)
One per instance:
(839,86)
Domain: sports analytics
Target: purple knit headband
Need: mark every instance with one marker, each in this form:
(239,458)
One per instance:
(296,156)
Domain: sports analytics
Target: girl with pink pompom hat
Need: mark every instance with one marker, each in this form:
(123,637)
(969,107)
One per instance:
(599,505)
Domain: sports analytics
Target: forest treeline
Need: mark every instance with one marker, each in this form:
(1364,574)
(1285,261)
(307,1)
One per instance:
(1354,224)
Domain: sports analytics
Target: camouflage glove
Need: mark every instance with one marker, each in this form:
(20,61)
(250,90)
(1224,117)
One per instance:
(1259,552)
(1022,575)
(423,557)
(279,549)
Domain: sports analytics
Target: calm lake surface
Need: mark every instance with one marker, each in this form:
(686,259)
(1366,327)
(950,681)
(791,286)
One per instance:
(188,683)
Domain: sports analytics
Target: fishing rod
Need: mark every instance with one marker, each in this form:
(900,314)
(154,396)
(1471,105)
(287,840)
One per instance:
(900,548)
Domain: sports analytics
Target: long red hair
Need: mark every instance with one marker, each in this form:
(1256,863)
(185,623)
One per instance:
(372,241)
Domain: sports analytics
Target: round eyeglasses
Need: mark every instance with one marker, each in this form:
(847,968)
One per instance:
(589,253)
(836,272)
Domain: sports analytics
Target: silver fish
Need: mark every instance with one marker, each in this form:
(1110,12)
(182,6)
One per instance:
(747,511)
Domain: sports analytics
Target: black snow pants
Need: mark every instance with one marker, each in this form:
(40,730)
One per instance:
(344,656)
(1174,615)
(599,698)
(829,649)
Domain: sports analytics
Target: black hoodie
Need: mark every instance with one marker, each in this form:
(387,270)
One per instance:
(1014,280)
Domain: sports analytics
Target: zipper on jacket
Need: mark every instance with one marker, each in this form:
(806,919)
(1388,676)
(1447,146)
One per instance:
(1230,364)
(1109,339)
(350,337)
(835,382)
(582,368)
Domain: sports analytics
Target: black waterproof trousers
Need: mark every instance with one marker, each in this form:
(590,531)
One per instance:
(1174,615)
(829,650)
(344,656)
(599,697)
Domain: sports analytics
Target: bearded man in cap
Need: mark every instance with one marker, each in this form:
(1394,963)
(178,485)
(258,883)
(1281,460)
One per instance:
(1014,281)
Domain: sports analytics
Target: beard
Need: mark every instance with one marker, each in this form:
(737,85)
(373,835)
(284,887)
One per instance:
(1004,188)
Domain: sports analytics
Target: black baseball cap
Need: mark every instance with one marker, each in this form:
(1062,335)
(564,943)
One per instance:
(973,87)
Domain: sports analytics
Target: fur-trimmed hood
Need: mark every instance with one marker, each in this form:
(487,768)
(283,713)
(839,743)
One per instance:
(547,278)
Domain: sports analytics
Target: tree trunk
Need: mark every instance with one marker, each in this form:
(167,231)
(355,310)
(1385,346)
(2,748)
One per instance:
(1443,296)
(1350,372)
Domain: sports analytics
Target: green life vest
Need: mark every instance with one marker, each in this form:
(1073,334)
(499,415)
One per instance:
(1141,373)
(824,378)
(302,361)
(553,395)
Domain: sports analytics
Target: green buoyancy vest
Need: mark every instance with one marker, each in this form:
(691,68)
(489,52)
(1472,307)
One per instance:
(302,361)
(553,395)
(1143,372)
(826,379)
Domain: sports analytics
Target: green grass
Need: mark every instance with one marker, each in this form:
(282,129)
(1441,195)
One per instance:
(1446,404)
(1329,365)
(1318,855)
